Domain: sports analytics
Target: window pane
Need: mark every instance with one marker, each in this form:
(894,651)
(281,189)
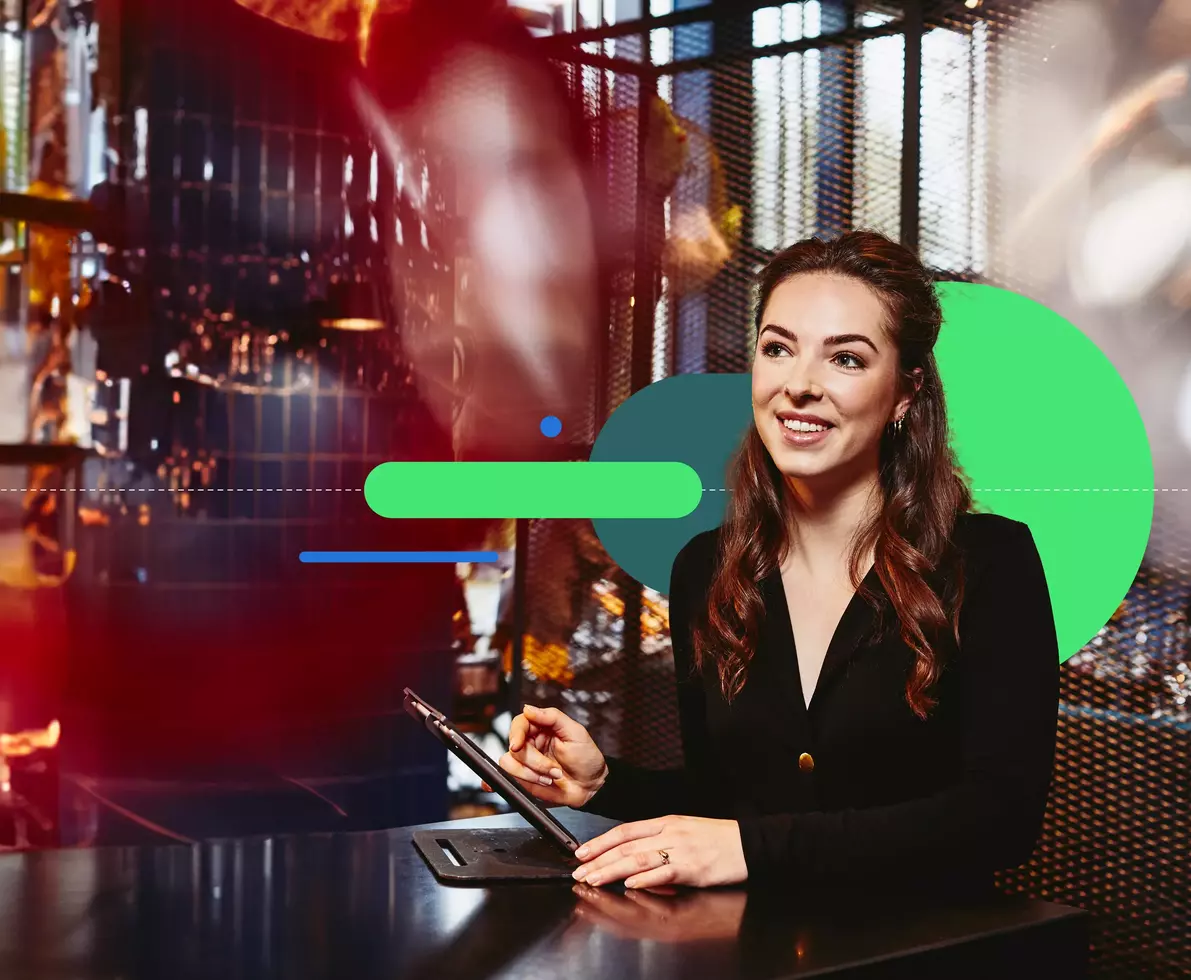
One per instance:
(876,201)
(954,145)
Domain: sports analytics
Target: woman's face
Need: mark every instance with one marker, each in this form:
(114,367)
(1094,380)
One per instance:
(825,379)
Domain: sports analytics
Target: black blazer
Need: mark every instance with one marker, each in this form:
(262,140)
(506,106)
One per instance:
(856,790)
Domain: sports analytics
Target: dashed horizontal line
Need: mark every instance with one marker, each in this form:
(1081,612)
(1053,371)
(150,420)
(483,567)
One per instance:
(1082,490)
(705,489)
(200,489)
(1050,490)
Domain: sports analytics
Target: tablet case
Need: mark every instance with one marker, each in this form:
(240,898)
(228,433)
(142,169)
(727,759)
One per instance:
(533,853)
(472,756)
(495,854)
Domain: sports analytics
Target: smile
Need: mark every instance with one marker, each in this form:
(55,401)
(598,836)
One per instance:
(803,434)
(795,426)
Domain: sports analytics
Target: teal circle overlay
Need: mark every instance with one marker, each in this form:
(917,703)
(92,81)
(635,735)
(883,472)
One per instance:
(1041,421)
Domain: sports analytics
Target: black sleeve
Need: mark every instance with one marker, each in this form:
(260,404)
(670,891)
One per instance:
(990,818)
(633,793)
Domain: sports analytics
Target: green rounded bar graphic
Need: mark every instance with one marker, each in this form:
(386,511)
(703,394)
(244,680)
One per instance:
(642,490)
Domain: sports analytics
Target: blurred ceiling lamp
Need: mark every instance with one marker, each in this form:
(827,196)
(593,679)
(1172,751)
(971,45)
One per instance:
(1137,234)
(971,4)
(352,305)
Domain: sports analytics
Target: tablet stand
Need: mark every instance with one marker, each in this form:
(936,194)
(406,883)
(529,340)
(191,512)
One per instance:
(502,854)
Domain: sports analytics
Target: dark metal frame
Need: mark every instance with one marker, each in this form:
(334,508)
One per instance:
(732,52)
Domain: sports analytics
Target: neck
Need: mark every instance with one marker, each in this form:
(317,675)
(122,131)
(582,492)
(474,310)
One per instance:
(824,517)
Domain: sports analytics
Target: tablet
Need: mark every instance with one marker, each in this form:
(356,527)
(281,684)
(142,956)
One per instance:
(478,761)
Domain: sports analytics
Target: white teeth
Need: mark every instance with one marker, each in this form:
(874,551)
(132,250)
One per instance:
(795,426)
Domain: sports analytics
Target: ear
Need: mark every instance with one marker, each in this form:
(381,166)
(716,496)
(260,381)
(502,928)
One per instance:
(903,403)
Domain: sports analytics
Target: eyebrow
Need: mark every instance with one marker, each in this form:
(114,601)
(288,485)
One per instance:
(834,341)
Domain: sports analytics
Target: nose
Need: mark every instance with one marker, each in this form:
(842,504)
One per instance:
(802,380)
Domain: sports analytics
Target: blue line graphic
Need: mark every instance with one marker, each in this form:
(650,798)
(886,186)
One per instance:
(395,557)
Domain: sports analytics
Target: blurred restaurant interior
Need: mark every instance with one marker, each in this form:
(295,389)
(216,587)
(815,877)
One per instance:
(249,249)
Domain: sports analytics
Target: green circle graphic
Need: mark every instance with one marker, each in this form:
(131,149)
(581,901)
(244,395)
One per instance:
(1050,435)
(1042,423)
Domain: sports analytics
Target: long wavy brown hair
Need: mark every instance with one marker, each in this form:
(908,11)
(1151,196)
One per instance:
(923,488)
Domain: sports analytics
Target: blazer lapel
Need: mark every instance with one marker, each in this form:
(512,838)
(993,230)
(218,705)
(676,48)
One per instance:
(780,664)
(775,666)
(858,619)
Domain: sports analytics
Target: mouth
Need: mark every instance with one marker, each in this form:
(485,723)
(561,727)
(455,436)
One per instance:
(800,429)
(802,422)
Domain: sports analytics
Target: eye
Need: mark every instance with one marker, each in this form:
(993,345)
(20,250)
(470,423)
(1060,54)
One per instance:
(771,349)
(856,365)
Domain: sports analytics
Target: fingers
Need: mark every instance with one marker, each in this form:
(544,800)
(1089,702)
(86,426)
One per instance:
(547,791)
(531,758)
(618,863)
(518,730)
(543,765)
(557,723)
(620,834)
(519,770)
(639,866)
(550,795)
(650,879)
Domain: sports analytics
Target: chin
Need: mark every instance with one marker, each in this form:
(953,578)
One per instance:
(798,471)
(792,462)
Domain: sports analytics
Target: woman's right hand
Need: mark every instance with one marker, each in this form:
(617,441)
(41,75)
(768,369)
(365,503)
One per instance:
(553,757)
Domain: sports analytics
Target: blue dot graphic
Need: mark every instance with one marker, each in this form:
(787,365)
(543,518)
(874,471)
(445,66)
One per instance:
(551,426)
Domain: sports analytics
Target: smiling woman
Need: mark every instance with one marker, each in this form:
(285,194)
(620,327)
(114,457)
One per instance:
(842,729)
(844,363)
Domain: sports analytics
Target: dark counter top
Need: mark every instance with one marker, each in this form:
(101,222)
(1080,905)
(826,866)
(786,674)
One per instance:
(366,905)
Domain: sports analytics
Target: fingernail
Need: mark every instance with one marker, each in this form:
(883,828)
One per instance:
(581,853)
(556,773)
(545,780)
(577,874)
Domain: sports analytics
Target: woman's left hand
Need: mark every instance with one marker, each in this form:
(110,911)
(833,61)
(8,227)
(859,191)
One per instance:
(702,853)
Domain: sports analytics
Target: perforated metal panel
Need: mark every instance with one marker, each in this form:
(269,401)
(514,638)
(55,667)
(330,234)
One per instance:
(1115,835)
(811,138)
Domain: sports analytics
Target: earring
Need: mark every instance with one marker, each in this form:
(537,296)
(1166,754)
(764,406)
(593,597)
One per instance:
(897,426)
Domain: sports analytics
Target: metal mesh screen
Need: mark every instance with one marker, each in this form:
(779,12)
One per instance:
(577,653)
(1114,839)
(1115,834)
(809,133)
(767,133)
